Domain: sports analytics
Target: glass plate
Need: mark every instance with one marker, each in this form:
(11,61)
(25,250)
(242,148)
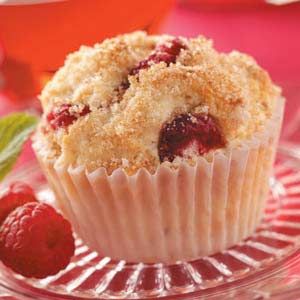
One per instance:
(264,265)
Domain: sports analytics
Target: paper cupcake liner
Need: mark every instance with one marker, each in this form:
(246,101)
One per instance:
(174,214)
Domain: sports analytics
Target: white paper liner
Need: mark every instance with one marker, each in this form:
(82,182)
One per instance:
(174,214)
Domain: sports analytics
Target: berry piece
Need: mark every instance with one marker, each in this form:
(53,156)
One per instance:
(124,85)
(18,194)
(163,53)
(143,64)
(172,48)
(187,135)
(121,89)
(36,241)
(65,115)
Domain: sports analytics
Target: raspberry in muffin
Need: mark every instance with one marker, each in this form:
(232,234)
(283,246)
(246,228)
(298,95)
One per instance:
(152,113)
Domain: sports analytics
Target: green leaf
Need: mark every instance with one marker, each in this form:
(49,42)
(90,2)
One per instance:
(14,131)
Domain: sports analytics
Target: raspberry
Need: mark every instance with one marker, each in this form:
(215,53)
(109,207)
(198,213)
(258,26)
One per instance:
(163,53)
(162,56)
(18,194)
(144,64)
(173,48)
(63,116)
(189,134)
(36,241)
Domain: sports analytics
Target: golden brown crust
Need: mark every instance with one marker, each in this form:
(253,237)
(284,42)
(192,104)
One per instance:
(123,131)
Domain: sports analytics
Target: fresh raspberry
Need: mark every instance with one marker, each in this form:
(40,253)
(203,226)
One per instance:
(36,241)
(189,134)
(163,53)
(18,194)
(63,116)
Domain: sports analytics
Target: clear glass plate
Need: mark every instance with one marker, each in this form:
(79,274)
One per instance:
(265,265)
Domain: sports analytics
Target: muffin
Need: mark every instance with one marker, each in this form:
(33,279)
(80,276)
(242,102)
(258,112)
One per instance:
(159,148)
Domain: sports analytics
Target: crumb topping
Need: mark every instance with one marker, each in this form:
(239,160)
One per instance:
(121,93)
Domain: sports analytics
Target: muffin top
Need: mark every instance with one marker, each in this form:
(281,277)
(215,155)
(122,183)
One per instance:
(139,100)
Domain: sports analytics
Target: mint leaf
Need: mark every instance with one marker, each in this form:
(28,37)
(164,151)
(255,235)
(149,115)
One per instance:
(14,131)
